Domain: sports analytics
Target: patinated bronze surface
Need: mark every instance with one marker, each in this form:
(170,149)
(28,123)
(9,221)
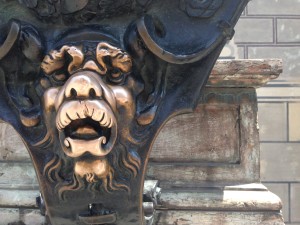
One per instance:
(89,84)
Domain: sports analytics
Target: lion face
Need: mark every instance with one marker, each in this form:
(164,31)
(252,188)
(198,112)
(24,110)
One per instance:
(85,108)
(85,117)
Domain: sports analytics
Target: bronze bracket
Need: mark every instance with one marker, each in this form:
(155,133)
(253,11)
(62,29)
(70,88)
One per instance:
(89,84)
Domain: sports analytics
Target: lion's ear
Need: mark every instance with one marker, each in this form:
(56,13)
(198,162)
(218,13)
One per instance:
(8,37)
(30,44)
(20,57)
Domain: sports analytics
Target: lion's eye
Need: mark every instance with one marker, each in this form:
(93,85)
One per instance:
(116,76)
(116,73)
(60,77)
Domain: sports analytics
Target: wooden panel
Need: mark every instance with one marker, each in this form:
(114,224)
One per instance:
(210,134)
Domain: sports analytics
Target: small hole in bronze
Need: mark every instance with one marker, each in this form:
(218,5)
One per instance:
(73,93)
(92,93)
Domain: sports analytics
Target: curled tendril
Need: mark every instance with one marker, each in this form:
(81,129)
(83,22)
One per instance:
(200,8)
(56,59)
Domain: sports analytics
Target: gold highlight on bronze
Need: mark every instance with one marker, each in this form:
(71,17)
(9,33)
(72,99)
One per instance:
(55,60)
(119,59)
(85,110)
(92,170)
(29,121)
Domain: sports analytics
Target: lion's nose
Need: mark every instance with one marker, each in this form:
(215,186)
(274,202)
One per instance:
(82,86)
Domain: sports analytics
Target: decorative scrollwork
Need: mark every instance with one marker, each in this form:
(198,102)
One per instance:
(200,8)
(81,10)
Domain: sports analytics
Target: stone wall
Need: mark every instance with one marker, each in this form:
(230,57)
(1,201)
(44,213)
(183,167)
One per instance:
(271,29)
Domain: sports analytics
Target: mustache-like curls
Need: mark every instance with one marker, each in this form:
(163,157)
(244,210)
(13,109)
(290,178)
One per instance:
(125,162)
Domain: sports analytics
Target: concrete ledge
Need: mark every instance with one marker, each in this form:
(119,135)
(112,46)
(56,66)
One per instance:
(218,218)
(244,73)
(249,198)
(214,199)
(173,217)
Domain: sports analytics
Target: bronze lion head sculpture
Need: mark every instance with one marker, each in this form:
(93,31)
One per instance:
(89,87)
(89,84)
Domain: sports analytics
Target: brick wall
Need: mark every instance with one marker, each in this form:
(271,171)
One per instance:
(271,29)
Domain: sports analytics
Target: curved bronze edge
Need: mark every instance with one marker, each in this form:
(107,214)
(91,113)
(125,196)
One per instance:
(202,9)
(10,39)
(169,56)
(55,60)
(98,219)
(29,121)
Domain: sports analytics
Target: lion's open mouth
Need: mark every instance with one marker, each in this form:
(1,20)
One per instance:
(86,127)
